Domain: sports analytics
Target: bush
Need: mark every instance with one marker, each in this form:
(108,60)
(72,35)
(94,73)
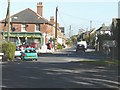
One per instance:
(0,47)
(69,43)
(59,46)
(8,49)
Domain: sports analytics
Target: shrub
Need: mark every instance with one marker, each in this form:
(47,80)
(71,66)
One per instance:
(0,47)
(8,49)
(59,46)
(69,43)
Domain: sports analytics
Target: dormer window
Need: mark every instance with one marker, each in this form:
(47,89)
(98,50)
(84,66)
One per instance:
(15,17)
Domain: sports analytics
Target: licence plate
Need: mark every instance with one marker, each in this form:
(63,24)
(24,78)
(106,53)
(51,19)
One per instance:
(30,57)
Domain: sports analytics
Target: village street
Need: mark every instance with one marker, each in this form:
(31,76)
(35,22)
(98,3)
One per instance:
(82,38)
(60,70)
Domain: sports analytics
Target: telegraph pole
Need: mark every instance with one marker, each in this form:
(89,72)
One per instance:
(90,25)
(8,20)
(90,30)
(56,12)
(0,38)
(56,23)
(70,31)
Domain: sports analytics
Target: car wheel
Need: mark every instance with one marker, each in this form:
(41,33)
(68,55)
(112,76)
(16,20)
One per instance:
(22,58)
(84,50)
(76,50)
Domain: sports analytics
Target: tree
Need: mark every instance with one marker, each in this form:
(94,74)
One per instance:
(74,38)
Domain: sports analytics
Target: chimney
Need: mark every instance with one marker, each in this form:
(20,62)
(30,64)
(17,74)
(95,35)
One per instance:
(52,20)
(103,24)
(40,8)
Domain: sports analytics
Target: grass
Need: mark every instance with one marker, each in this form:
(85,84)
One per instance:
(100,62)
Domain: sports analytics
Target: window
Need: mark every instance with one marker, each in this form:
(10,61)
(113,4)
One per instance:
(23,28)
(30,51)
(37,28)
(15,17)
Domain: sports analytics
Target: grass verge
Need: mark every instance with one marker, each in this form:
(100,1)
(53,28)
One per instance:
(100,62)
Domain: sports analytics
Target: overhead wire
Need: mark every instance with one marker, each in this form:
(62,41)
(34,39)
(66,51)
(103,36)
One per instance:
(61,19)
(81,18)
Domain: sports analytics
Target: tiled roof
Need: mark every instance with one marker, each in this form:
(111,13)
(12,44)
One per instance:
(28,16)
(104,28)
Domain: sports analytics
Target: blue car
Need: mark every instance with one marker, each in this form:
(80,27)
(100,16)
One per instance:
(29,54)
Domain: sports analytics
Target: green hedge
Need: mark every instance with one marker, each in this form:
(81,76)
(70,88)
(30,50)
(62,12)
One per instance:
(59,46)
(69,43)
(0,47)
(8,49)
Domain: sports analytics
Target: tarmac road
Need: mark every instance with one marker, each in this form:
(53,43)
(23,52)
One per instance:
(57,71)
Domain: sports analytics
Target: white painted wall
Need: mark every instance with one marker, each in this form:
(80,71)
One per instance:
(60,41)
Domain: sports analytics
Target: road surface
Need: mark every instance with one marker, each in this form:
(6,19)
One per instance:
(58,70)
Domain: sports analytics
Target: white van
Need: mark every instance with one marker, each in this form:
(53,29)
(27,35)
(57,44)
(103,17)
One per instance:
(83,43)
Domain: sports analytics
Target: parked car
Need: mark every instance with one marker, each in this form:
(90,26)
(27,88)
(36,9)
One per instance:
(29,54)
(17,53)
(81,46)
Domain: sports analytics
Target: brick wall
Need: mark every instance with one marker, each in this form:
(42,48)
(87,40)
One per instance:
(17,27)
(31,28)
(44,28)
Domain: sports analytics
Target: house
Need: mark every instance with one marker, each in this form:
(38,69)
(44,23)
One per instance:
(118,9)
(30,25)
(115,29)
(61,35)
(115,26)
(103,30)
(81,34)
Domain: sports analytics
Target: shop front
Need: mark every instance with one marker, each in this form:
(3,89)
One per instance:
(24,38)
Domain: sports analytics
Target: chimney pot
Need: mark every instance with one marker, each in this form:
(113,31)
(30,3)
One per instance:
(40,8)
(52,19)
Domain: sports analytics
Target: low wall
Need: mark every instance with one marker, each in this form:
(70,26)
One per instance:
(1,56)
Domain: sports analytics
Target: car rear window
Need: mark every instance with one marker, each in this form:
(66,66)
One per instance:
(30,51)
(17,49)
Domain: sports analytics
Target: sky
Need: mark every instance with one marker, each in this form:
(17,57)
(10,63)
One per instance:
(74,13)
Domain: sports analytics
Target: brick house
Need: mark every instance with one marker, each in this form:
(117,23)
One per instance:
(115,29)
(102,34)
(27,24)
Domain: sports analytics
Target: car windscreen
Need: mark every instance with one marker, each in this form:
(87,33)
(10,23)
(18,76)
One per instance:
(30,51)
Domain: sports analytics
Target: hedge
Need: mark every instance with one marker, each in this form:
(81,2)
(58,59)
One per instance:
(8,49)
(59,46)
(69,43)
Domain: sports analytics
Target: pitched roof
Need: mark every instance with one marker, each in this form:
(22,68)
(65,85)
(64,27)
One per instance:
(28,16)
(104,28)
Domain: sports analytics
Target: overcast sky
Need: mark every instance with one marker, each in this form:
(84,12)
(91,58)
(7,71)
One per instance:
(77,13)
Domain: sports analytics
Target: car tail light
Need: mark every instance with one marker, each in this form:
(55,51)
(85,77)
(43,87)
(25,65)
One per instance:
(24,54)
